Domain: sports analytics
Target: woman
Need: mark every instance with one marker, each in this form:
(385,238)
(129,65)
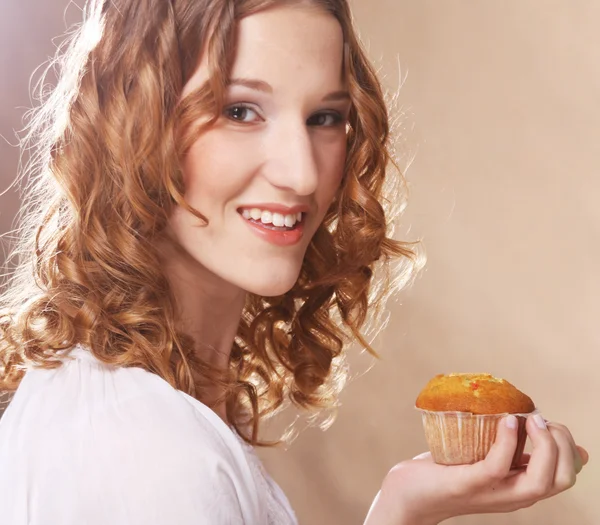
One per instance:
(199,246)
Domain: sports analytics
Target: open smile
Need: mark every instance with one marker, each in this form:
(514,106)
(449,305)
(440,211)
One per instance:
(283,229)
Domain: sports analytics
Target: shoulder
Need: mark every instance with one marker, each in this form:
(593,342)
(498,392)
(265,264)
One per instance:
(92,400)
(126,435)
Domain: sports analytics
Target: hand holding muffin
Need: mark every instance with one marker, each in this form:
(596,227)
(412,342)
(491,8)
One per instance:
(481,477)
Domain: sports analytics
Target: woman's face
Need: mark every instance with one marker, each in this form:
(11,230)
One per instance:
(276,155)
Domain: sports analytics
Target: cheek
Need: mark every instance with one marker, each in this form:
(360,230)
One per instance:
(332,160)
(200,168)
(211,174)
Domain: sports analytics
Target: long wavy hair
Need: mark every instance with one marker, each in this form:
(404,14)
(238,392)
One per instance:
(104,175)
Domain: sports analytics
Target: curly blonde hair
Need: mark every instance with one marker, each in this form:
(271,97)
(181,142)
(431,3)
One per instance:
(105,175)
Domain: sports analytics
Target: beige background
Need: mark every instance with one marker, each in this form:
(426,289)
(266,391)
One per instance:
(503,111)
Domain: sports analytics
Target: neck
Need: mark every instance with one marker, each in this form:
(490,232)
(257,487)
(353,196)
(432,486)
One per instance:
(208,309)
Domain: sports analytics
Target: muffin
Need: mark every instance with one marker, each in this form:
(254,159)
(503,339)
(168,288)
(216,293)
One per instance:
(461,413)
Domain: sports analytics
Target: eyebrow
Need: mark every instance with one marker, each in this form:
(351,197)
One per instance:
(261,85)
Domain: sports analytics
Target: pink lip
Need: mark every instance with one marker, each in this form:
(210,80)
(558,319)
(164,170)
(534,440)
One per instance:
(277,208)
(279,238)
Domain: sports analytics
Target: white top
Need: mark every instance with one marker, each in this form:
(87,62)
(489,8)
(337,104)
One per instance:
(91,444)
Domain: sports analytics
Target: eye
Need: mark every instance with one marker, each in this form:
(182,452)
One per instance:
(329,119)
(241,113)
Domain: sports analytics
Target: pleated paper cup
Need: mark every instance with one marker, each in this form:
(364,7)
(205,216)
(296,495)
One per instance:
(462,438)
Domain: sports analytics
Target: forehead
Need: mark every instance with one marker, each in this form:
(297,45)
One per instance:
(288,47)
(283,44)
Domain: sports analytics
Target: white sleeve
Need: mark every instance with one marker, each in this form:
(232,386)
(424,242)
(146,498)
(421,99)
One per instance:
(80,446)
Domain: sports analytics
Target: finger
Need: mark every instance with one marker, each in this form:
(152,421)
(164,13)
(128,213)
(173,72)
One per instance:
(578,455)
(538,480)
(565,474)
(497,463)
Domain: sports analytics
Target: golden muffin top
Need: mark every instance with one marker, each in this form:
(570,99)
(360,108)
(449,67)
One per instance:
(474,393)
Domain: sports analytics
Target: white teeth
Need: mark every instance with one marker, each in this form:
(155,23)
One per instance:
(266,217)
(277,219)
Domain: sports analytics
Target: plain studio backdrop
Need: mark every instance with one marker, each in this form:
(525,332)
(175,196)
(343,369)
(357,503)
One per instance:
(501,107)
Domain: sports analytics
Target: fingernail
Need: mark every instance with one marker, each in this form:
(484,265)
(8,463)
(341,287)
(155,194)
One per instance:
(539,421)
(511,421)
(423,455)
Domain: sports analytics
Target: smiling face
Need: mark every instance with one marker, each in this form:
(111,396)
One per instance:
(276,154)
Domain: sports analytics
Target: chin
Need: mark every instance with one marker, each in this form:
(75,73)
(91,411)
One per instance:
(272,285)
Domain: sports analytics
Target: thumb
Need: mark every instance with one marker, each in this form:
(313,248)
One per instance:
(498,461)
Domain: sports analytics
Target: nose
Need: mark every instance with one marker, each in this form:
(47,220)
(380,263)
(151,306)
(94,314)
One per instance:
(292,164)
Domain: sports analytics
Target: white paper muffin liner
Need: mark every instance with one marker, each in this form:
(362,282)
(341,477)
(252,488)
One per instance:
(459,438)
